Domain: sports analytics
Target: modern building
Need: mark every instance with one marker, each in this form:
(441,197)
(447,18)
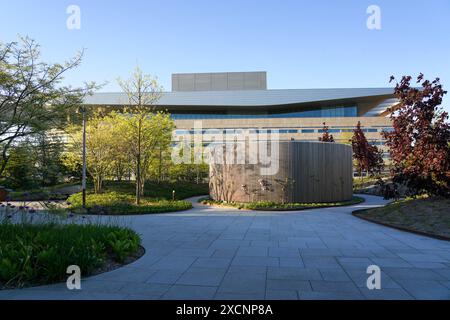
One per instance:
(241,100)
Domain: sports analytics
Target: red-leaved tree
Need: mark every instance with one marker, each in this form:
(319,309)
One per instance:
(368,157)
(326,136)
(419,143)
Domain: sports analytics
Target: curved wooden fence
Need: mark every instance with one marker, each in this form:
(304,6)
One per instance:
(307,172)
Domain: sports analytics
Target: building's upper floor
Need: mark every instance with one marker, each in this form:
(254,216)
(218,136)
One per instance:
(219,81)
(245,95)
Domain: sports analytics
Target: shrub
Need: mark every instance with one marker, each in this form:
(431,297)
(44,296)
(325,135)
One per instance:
(115,203)
(40,253)
(419,143)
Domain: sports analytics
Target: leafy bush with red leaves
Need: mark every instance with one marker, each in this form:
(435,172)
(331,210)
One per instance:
(326,136)
(419,145)
(368,157)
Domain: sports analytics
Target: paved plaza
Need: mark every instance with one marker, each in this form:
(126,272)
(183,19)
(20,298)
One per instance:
(221,253)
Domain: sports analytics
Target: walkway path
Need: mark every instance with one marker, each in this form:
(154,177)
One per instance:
(221,253)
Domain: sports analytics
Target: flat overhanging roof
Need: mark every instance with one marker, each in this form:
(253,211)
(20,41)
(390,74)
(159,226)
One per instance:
(249,98)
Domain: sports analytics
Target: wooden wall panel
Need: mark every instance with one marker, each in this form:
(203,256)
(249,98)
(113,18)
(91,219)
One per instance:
(315,172)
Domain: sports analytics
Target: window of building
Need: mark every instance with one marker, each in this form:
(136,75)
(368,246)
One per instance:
(330,130)
(288,131)
(370,130)
(323,112)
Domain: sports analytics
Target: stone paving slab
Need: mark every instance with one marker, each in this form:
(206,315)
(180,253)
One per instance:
(224,253)
(183,292)
(281,295)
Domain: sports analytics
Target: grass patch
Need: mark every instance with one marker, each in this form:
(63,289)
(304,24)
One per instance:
(57,192)
(118,198)
(361,184)
(426,215)
(162,190)
(267,205)
(115,203)
(36,254)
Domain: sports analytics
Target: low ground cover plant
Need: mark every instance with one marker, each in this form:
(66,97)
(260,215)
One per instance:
(163,190)
(118,198)
(56,192)
(429,215)
(268,205)
(39,253)
(115,203)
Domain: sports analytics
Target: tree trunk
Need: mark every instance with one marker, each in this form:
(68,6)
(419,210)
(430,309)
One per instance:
(160,166)
(98,182)
(99,186)
(138,166)
(5,158)
(138,179)
(142,187)
(198,173)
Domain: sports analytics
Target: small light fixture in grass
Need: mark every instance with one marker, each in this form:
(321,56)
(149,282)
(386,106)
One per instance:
(173,195)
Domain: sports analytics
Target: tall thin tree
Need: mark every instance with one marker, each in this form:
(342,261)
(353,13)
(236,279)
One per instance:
(143,92)
(368,157)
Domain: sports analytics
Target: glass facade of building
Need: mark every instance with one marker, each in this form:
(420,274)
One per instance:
(267,130)
(324,112)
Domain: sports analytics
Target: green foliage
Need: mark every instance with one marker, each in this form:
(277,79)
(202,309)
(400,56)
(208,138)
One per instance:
(115,142)
(122,243)
(99,148)
(269,205)
(49,166)
(20,171)
(71,160)
(189,172)
(183,189)
(360,184)
(56,192)
(115,203)
(146,132)
(118,198)
(32,254)
(36,195)
(35,162)
(32,99)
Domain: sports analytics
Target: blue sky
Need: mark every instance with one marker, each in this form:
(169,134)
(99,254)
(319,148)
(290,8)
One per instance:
(301,44)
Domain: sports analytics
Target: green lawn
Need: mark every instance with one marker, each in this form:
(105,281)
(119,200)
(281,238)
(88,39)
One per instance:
(57,192)
(427,215)
(152,190)
(266,205)
(162,190)
(118,198)
(36,254)
(114,203)
(360,184)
